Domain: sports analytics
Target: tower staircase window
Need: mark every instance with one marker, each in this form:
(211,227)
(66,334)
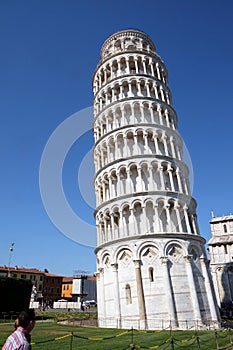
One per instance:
(151,274)
(128,294)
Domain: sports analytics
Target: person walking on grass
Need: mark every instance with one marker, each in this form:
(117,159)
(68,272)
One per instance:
(20,339)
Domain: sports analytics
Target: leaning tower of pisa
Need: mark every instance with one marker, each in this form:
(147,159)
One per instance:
(151,263)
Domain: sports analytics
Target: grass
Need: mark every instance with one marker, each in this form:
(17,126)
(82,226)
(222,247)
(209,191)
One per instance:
(49,335)
(59,316)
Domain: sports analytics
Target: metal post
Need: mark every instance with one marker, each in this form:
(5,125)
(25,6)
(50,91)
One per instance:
(132,336)
(229,330)
(216,339)
(198,342)
(71,341)
(172,344)
(9,263)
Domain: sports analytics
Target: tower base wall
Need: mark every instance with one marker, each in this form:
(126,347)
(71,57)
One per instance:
(157,324)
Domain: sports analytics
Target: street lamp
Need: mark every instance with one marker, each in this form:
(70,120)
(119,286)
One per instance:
(10,256)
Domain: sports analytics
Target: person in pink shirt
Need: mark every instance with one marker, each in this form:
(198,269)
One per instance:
(20,339)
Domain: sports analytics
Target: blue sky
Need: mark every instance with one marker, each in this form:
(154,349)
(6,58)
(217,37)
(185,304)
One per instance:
(49,51)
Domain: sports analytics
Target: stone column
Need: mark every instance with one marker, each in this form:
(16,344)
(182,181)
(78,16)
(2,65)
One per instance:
(156,92)
(158,72)
(171,177)
(136,65)
(179,180)
(209,291)
(102,295)
(196,224)
(121,230)
(144,66)
(116,295)
(142,113)
(160,115)
(99,240)
(145,136)
(140,293)
(150,178)
(178,151)
(157,224)
(185,209)
(118,186)
(130,94)
(112,225)
(192,286)
(139,189)
(178,218)
(167,117)
(157,151)
(104,190)
(216,287)
(139,88)
(127,65)
(167,97)
(168,215)
(162,93)
(113,94)
(152,68)
(168,290)
(121,95)
(105,75)
(160,169)
(148,88)
(151,112)
(164,139)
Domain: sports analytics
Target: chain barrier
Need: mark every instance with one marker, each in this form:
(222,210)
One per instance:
(171,343)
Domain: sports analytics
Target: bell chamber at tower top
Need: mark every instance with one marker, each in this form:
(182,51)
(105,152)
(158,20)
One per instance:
(131,40)
(129,69)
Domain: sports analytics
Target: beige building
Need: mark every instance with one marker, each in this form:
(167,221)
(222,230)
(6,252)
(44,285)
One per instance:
(221,260)
(35,275)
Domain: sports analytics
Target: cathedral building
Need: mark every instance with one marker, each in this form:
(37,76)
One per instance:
(152,269)
(221,261)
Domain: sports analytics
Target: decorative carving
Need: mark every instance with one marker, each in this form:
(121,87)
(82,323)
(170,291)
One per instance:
(125,258)
(150,254)
(164,260)
(188,258)
(175,253)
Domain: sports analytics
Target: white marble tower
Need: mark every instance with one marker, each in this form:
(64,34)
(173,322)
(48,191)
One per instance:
(151,260)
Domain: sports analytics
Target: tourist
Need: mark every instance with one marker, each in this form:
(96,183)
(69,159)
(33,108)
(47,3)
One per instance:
(20,339)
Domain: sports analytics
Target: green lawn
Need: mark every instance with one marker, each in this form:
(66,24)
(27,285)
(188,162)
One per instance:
(51,336)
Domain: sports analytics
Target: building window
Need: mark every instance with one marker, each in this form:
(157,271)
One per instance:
(41,278)
(225,228)
(32,277)
(52,281)
(23,276)
(225,248)
(58,290)
(51,290)
(151,274)
(128,294)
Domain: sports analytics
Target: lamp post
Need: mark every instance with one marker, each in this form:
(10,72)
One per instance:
(10,256)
